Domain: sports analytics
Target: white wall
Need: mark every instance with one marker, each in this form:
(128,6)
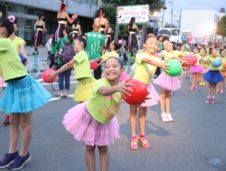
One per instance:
(201,23)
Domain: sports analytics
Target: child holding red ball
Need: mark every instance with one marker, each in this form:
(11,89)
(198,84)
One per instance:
(94,121)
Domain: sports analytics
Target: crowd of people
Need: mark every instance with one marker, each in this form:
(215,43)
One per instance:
(98,94)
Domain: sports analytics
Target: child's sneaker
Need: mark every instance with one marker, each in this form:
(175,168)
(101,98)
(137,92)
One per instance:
(208,100)
(164,117)
(8,159)
(221,91)
(213,100)
(133,143)
(19,162)
(170,118)
(196,88)
(144,142)
(192,87)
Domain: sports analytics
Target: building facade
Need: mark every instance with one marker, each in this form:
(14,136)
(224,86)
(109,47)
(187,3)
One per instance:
(27,11)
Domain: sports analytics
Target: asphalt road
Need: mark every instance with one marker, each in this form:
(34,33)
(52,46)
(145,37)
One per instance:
(196,141)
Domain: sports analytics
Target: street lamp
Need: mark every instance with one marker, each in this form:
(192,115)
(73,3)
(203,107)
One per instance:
(163,9)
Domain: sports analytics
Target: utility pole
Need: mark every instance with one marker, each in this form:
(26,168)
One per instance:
(172,4)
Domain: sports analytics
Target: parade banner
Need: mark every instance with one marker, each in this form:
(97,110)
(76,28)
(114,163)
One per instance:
(140,12)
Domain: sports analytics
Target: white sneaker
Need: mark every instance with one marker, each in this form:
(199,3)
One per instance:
(164,117)
(169,117)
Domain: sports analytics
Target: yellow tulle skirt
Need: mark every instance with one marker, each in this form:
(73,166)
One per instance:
(84,89)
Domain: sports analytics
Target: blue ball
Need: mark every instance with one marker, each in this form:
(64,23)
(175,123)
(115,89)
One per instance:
(216,63)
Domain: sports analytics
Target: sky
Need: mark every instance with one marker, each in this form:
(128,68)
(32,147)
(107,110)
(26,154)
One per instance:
(191,4)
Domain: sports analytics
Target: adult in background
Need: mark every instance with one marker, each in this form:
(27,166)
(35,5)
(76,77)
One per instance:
(95,43)
(76,28)
(40,29)
(101,21)
(63,18)
(132,39)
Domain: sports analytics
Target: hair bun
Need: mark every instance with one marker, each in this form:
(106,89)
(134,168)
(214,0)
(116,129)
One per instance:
(11,18)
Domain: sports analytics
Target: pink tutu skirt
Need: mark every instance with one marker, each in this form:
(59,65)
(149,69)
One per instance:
(195,69)
(152,98)
(123,76)
(83,127)
(168,82)
(205,70)
(2,83)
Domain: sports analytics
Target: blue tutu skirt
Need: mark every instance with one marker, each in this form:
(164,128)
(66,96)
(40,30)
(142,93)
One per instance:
(23,96)
(213,76)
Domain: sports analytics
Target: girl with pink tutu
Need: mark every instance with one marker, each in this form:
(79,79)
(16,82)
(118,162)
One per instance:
(195,70)
(94,121)
(167,83)
(146,64)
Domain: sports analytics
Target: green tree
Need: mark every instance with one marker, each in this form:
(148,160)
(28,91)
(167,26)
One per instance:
(221,27)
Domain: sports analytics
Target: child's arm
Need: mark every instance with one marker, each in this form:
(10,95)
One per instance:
(121,87)
(155,63)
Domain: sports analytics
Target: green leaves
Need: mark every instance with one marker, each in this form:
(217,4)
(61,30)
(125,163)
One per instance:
(221,27)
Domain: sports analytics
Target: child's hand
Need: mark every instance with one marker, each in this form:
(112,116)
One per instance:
(124,89)
(164,66)
(51,77)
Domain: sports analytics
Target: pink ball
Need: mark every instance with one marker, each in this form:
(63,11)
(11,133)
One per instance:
(192,59)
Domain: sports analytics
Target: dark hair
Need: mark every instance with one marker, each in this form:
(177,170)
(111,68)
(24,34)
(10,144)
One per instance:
(62,6)
(119,61)
(8,25)
(101,10)
(82,40)
(132,21)
(117,45)
(40,16)
(76,21)
(210,50)
(68,30)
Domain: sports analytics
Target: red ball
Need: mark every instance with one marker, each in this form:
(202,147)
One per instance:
(224,65)
(93,65)
(138,94)
(46,75)
(192,59)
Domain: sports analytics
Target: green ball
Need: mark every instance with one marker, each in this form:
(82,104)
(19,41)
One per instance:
(175,67)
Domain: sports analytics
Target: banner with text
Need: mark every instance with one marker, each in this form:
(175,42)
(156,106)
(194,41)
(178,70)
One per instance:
(140,12)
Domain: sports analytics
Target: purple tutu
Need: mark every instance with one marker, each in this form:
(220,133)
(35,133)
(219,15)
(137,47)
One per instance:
(153,97)
(195,69)
(83,127)
(168,82)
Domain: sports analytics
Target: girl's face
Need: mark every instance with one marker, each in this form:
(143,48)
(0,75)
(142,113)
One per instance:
(223,53)
(203,53)
(78,46)
(112,46)
(3,32)
(112,69)
(196,51)
(168,46)
(151,45)
(214,53)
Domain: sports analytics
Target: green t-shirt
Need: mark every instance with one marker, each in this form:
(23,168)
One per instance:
(82,66)
(10,62)
(211,67)
(95,41)
(103,108)
(143,71)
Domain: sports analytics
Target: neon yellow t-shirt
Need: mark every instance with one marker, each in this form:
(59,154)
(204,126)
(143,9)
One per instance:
(10,62)
(211,67)
(82,66)
(103,108)
(143,71)
(18,42)
(204,60)
(109,54)
(198,58)
(169,55)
